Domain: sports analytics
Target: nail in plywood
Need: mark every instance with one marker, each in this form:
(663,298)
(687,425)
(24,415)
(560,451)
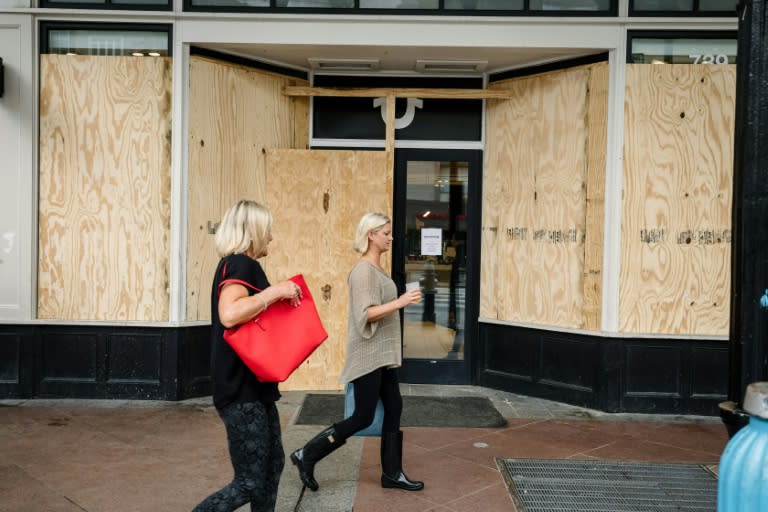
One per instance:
(104,207)
(317,199)
(234,113)
(677,197)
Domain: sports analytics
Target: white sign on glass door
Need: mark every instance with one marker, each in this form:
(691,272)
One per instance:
(431,242)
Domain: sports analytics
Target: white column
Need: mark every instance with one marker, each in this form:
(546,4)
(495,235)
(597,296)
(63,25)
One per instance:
(178,247)
(613,184)
(18,201)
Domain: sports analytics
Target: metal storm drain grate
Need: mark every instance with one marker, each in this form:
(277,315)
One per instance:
(538,485)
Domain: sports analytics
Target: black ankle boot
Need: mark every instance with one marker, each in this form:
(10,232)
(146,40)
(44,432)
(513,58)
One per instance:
(318,447)
(392,464)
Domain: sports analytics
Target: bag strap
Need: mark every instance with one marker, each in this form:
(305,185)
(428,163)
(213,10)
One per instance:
(234,281)
(238,281)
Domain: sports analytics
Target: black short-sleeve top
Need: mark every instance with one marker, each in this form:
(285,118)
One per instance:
(233,381)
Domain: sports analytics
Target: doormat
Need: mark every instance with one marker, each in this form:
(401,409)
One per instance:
(418,411)
(537,485)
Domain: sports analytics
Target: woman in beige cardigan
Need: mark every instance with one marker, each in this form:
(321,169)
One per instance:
(374,353)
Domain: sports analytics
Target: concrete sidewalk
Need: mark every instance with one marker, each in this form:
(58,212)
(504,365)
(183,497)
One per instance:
(136,456)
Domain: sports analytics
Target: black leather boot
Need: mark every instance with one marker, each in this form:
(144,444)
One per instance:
(316,448)
(392,464)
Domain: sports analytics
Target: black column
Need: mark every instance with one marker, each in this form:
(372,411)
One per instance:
(749,253)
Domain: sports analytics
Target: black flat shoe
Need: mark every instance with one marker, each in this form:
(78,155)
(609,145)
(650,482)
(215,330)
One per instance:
(401,482)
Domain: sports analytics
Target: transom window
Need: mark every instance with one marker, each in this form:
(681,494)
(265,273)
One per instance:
(141,5)
(474,7)
(682,48)
(105,39)
(682,7)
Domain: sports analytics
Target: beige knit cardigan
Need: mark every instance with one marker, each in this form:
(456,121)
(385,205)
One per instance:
(370,345)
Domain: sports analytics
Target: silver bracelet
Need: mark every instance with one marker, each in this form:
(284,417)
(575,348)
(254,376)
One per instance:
(264,301)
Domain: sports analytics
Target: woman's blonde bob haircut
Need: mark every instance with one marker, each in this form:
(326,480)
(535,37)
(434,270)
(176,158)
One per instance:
(244,223)
(373,221)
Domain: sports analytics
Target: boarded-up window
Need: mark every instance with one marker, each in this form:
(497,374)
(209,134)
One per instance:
(104,206)
(235,113)
(677,196)
(542,202)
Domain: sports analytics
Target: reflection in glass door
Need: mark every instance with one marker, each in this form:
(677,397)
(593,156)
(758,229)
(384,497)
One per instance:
(433,201)
(435,234)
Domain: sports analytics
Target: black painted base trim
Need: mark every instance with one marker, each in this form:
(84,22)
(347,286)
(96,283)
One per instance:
(635,375)
(638,375)
(427,371)
(140,363)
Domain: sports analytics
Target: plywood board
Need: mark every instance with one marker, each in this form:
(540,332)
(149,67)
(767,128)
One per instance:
(597,144)
(317,198)
(104,206)
(535,200)
(677,197)
(235,113)
(411,92)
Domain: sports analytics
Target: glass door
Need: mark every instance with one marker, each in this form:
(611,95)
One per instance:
(436,247)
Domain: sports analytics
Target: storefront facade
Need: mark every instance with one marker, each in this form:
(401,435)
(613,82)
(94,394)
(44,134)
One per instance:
(559,180)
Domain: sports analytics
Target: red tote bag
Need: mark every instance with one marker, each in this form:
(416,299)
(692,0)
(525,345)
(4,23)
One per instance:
(276,341)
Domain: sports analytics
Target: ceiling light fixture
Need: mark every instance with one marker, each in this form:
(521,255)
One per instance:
(343,64)
(451,66)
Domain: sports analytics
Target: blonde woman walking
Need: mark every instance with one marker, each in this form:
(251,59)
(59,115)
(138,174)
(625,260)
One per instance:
(374,353)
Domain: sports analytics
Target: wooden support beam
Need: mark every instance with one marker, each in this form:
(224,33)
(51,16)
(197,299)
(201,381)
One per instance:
(375,92)
(390,143)
(391,124)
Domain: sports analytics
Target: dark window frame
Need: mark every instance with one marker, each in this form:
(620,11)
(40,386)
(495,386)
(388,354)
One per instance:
(543,68)
(107,5)
(676,34)
(694,12)
(250,63)
(376,81)
(612,11)
(46,27)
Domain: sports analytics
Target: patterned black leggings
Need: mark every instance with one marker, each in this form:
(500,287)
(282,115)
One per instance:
(256,451)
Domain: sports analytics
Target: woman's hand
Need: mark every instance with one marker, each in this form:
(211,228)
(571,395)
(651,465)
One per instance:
(410,297)
(287,290)
(376,313)
(236,306)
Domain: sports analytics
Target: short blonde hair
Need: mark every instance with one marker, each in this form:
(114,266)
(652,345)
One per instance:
(245,222)
(373,221)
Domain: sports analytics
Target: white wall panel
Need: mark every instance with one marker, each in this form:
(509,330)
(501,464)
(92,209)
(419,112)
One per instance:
(16,173)
(447,31)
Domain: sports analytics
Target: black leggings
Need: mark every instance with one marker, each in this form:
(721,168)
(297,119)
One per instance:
(256,451)
(381,383)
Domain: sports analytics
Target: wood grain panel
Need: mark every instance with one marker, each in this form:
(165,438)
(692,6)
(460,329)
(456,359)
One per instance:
(235,113)
(597,143)
(104,207)
(677,197)
(317,198)
(536,161)
(412,92)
